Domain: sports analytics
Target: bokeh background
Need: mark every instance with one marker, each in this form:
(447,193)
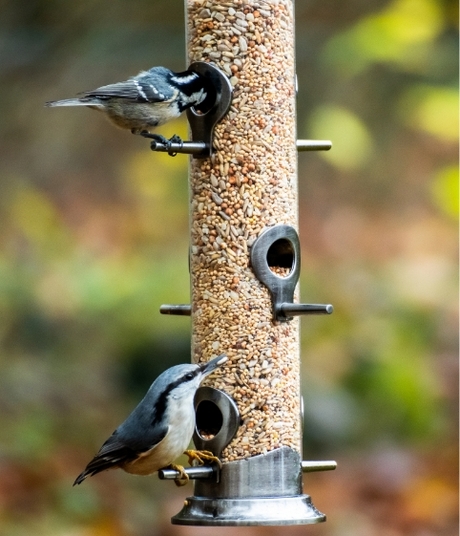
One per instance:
(93,238)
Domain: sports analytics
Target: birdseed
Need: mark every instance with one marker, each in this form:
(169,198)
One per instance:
(249,184)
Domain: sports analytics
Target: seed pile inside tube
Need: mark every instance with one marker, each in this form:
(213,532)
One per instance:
(249,183)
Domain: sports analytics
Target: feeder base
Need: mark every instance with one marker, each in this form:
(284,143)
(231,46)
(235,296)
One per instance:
(296,510)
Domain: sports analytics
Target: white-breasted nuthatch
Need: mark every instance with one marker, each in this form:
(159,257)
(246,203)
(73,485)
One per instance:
(160,427)
(147,100)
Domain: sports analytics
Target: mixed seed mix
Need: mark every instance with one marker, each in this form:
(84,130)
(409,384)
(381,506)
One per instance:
(249,184)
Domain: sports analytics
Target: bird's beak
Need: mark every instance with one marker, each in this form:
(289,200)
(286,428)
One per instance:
(207,368)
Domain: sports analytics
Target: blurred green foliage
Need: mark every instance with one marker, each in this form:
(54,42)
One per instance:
(94,237)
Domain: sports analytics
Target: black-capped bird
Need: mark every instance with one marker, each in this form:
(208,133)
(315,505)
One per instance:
(147,100)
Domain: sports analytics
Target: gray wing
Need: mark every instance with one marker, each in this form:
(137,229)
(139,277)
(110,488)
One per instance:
(133,89)
(120,449)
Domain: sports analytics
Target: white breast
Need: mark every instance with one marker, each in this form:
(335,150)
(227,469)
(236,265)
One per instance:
(181,420)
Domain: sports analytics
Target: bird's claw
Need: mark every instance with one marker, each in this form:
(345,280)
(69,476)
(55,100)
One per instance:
(159,139)
(195,457)
(173,139)
(155,137)
(201,457)
(183,476)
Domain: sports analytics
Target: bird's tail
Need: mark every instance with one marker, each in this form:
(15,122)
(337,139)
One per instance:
(81,477)
(71,102)
(107,458)
(96,465)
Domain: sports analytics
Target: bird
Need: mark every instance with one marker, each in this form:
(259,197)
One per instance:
(147,100)
(159,429)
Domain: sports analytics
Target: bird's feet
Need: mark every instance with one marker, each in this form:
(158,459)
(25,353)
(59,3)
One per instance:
(200,457)
(159,139)
(183,478)
(155,137)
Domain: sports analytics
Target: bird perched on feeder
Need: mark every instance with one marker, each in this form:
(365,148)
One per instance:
(148,100)
(160,427)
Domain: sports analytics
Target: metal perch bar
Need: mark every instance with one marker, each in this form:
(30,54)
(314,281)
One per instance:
(179,309)
(297,309)
(311,467)
(313,145)
(206,471)
(193,473)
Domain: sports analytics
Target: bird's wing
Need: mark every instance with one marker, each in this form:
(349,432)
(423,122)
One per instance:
(132,89)
(118,450)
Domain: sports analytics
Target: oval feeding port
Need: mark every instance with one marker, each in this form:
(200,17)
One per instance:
(209,420)
(280,257)
(216,420)
(205,116)
(275,260)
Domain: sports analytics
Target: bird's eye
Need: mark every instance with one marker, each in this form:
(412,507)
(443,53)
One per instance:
(189,376)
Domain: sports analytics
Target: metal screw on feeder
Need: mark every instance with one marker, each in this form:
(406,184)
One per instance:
(244,270)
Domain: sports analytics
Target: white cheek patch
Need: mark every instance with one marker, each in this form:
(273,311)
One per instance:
(184,79)
(197,98)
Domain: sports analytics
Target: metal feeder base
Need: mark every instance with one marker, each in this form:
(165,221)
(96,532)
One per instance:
(262,490)
(297,510)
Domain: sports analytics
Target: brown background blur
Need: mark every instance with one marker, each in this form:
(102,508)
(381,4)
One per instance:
(93,238)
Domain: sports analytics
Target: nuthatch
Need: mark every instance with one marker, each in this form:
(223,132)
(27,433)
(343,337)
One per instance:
(160,427)
(147,100)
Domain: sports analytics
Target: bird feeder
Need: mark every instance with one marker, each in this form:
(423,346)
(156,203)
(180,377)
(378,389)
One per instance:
(245,266)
